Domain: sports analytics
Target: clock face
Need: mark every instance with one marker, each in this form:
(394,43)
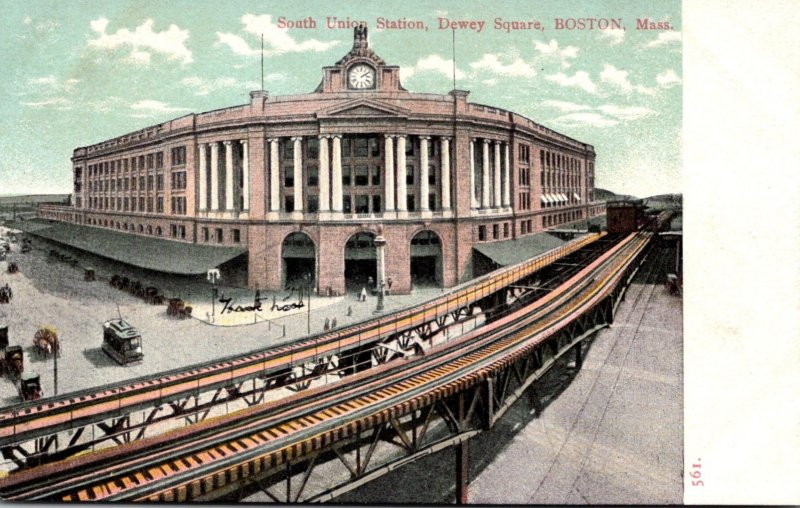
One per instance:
(361,76)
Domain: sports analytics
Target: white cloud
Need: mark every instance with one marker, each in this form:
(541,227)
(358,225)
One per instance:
(585,119)
(613,35)
(516,68)
(626,113)
(618,78)
(152,106)
(60,103)
(564,106)
(551,49)
(665,38)
(580,80)
(435,63)
(277,41)
(52,84)
(668,79)
(205,86)
(143,41)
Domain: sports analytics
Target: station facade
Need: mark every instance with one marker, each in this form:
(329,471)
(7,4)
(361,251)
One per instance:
(306,182)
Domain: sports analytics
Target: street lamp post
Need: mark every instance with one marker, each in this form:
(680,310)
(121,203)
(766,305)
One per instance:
(213,277)
(380,251)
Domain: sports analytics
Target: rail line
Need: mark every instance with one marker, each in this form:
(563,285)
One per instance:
(41,418)
(194,461)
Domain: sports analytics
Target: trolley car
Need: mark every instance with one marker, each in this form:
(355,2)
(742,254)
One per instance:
(122,342)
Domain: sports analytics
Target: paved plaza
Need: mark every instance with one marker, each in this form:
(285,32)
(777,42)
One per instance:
(54,293)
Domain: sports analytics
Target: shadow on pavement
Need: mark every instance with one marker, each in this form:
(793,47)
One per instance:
(99,358)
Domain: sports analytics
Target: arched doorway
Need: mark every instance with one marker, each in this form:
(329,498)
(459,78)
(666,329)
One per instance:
(426,259)
(298,260)
(360,260)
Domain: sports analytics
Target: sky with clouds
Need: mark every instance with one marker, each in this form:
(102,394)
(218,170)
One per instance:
(81,72)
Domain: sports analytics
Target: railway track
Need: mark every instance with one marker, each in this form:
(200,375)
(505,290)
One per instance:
(42,418)
(194,461)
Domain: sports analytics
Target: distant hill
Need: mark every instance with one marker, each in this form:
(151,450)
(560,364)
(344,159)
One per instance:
(607,195)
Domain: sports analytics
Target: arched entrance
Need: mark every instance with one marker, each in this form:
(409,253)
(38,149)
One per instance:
(426,259)
(360,260)
(298,260)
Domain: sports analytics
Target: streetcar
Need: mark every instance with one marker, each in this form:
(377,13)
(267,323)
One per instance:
(122,342)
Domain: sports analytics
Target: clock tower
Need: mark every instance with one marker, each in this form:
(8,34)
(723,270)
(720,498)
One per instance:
(360,70)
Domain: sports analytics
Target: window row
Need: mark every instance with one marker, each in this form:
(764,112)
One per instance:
(206,235)
(147,161)
(482,231)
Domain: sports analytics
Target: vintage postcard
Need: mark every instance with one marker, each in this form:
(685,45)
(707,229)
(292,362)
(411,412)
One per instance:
(365,253)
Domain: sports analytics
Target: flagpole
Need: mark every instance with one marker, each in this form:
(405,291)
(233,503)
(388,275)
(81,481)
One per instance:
(262,60)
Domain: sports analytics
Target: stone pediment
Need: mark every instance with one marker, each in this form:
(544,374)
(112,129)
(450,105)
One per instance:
(363,108)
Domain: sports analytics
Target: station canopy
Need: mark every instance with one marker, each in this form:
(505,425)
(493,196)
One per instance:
(155,254)
(509,252)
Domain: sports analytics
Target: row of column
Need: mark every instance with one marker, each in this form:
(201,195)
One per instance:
(215,177)
(331,192)
(499,172)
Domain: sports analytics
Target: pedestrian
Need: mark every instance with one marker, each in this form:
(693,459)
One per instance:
(333,324)
(349,310)
(363,297)
(327,325)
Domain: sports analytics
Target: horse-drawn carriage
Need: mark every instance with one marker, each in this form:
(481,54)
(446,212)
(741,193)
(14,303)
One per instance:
(13,267)
(12,362)
(178,308)
(29,387)
(122,342)
(46,343)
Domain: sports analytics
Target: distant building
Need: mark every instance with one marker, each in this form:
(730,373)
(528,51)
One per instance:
(303,181)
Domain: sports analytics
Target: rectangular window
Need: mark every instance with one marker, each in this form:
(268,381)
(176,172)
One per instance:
(160,204)
(141,183)
(362,148)
(205,234)
(159,159)
(376,204)
(178,156)
(495,231)
(149,181)
(150,161)
(288,149)
(125,204)
(346,147)
(409,175)
(159,182)
(374,147)
(313,148)
(182,231)
(347,204)
(288,203)
(141,204)
(409,147)
(362,204)
(432,175)
(481,233)
(149,205)
(313,203)
(362,175)
(505,230)
(410,204)
(432,201)
(313,176)
(173,230)
(218,235)
(235,236)
(346,176)
(113,185)
(376,175)
(288,177)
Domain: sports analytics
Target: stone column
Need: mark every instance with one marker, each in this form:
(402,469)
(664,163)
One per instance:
(337,174)
(324,176)
(203,175)
(485,171)
(473,198)
(298,173)
(423,173)
(388,172)
(498,184)
(215,176)
(228,175)
(506,179)
(445,148)
(402,204)
(274,174)
(245,176)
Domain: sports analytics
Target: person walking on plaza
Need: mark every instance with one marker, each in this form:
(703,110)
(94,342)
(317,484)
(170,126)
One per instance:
(363,296)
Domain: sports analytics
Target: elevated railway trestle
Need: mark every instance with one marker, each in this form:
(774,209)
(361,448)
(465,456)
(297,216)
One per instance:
(413,406)
(58,427)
